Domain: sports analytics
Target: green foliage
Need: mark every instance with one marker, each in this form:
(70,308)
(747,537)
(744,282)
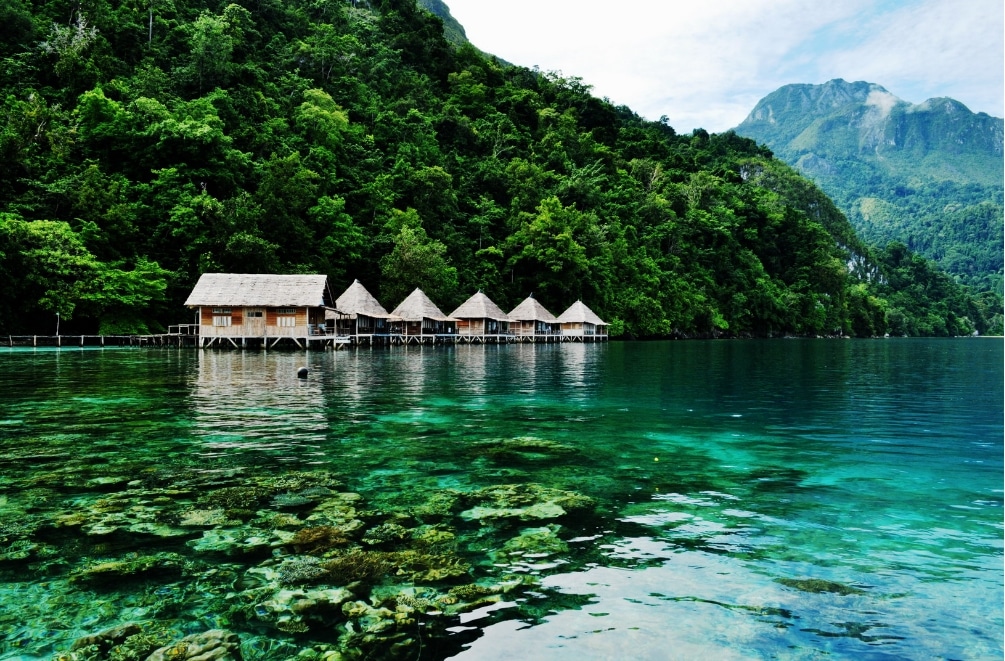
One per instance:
(147,142)
(51,273)
(416,260)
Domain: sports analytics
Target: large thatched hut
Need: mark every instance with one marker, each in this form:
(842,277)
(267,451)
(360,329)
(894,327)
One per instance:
(581,323)
(419,320)
(481,320)
(262,307)
(531,322)
(360,316)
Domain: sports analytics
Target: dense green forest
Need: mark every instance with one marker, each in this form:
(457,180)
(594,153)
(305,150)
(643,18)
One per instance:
(145,142)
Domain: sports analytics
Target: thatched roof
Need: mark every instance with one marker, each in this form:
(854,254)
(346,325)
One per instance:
(531,310)
(357,300)
(479,306)
(579,313)
(255,289)
(417,307)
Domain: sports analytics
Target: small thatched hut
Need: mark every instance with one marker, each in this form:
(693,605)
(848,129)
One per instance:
(260,306)
(530,320)
(580,322)
(418,319)
(480,318)
(359,315)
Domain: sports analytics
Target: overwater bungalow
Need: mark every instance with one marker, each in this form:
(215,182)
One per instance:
(580,323)
(419,321)
(531,322)
(360,316)
(262,309)
(481,320)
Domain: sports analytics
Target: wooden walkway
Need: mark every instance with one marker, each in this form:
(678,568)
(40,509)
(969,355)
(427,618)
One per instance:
(157,340)
(186,335)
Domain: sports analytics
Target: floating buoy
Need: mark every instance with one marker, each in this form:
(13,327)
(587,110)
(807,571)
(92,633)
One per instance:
(302,372)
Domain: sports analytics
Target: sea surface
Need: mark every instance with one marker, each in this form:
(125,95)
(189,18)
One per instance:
(785,499)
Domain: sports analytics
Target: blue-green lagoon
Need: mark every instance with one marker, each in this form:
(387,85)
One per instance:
(788,499)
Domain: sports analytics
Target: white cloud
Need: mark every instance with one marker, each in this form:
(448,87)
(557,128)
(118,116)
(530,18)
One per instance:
(935,48)
(708,63)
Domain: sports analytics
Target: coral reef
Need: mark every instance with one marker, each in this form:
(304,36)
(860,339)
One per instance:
(302,570)
(524,450)
(212,645)
(358,565)
(523,502)
(318,540)
(164,566)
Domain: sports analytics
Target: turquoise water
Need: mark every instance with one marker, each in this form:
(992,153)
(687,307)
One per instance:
(784,499)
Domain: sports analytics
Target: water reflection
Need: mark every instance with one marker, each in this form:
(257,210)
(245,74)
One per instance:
(252,403)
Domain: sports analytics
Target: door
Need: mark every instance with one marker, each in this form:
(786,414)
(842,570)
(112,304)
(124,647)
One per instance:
(254,322)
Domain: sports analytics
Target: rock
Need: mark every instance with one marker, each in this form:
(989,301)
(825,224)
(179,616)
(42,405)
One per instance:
(212,645)
(523,502)
(206,518)
(108,638)
(819,585)
(167,566)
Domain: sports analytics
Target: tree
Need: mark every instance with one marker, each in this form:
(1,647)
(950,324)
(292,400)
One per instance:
(415,260)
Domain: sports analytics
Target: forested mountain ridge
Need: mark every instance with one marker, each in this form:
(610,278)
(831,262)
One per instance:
(928,175)
(148,142)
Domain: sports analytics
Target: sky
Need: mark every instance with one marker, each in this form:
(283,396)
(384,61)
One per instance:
(706,63)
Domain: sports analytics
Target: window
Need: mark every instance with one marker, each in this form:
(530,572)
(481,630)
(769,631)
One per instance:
(286,311)
(286,321)
(221,319)
(253,313)
(221,311)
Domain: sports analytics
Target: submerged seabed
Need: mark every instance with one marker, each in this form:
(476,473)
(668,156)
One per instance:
(665,500)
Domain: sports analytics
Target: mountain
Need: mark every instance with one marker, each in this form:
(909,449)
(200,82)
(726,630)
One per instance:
(928,175)
(452,30)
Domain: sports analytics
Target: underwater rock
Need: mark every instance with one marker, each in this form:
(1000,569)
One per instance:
(438,505)
(212,645)
(819,585)
(292,610)
(235,498)
(299,480)
(104,574)
(385,533)
(18,550)
(233,543)
(369,619)
(524,449)
(107,483)
(429,567)
(105,640)
(523,502)
(290,500)
(206,519)
(280,520)
(536,542)
(338,511)
(432,536)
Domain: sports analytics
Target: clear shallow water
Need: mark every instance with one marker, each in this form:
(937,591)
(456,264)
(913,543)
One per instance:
(782,499)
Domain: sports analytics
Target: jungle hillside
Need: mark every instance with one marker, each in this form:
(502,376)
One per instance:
(145,142)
